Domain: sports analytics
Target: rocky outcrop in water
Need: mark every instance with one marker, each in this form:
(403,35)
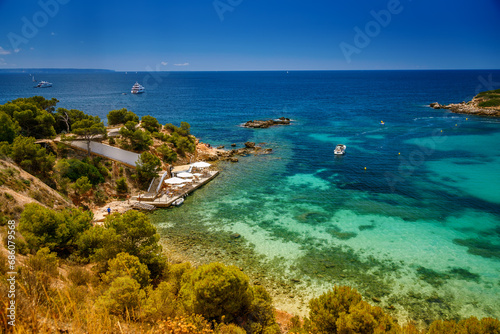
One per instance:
(267,123)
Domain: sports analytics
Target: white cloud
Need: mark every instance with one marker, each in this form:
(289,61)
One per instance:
(17,50)
(2,61)
(52,34)
(32,48)
(184,64)
(164,63)
(4,52)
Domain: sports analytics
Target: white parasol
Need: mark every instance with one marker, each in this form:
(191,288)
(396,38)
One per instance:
(201,164)
(174,180)
(185,174)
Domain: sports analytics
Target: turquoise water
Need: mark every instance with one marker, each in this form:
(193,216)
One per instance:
(418,229)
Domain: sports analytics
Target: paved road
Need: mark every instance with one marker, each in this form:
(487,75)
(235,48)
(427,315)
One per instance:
(114,153)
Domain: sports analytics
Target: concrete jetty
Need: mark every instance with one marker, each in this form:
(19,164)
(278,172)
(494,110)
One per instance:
(166,198)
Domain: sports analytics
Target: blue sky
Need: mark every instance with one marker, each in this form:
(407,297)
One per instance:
(250,34)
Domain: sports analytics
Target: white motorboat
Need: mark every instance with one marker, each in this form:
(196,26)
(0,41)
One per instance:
(137,88)
(339,149)
(43,84)
(178,201)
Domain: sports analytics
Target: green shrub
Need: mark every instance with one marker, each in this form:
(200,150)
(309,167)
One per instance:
(342,310)
(123,297)
(216,291)
(5,149)
(82,186)
(44,261)
(161,302)
(261,311)
(133,233)
(112,141)
(231,329)
(495,102)
(79,276)
(125,264)
(121,186)
(75,169)
(174,274)
(470,325)
(91,244)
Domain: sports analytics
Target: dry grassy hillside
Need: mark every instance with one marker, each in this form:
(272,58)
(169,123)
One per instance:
(17,188)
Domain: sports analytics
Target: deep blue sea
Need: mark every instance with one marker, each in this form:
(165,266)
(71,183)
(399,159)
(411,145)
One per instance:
(409,216)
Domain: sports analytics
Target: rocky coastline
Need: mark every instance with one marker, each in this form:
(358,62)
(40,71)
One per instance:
(220,153)
(259,124)
(470,108)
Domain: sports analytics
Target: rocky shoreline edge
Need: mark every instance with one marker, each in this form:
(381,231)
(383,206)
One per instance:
(470,108)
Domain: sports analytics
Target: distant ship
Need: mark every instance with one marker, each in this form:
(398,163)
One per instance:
(137,88)
(43,84)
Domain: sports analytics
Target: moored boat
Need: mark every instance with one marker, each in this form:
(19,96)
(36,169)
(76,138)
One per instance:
(178,201)
(339,149)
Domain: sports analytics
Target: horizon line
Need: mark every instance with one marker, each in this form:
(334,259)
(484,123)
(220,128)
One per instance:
(26,69)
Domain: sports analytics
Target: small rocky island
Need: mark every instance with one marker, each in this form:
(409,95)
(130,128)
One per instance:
(483,104)
(267,123)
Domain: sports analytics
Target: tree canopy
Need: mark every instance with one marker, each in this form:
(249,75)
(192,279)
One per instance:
(66,118)
(150,123)
(89,128)
(9,128)
(121,116)
(59,231)
(147,168)
(32,157)
(33,115)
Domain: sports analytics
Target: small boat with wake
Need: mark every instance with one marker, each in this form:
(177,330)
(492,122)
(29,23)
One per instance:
(339,149)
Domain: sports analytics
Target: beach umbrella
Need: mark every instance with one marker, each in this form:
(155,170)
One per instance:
(185,174)
(174,180)
(201,164)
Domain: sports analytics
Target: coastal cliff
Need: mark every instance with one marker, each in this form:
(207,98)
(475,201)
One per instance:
(483,104)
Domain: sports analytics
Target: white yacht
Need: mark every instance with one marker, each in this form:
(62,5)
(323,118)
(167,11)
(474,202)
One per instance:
(137,88)
(43,84)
